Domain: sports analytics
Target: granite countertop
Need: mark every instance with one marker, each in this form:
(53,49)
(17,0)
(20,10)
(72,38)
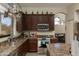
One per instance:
(9,49)
(58,51)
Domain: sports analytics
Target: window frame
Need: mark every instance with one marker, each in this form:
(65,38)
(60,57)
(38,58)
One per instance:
(5,35)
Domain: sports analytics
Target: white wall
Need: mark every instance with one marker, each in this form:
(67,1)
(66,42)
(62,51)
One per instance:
(70,31)
(59,29)
(71,10)
(69,35)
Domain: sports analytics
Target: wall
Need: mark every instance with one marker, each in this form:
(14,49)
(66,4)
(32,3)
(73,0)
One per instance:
(59,28)
(15,33)
(69,35)
(71,39)
(71,11)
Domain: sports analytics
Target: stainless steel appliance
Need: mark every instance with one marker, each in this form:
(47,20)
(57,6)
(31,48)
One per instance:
(42,45)
(42,27)
(42,42)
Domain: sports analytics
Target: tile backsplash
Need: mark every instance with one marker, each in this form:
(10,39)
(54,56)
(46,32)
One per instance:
(40,33)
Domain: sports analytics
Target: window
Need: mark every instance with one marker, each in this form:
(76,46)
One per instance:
(6,21)
(6,25)
(59,21)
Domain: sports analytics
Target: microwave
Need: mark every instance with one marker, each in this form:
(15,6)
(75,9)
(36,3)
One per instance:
(43,27)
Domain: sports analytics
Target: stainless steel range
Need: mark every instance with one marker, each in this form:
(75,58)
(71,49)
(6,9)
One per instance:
(42,44)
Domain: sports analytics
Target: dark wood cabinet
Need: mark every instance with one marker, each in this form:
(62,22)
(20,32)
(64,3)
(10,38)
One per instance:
(33,45)
(51,22)
(28,22)
(54,40)
(40,19)
(23,22)
(18,26)
(43,19)
(34,22)
(31,20)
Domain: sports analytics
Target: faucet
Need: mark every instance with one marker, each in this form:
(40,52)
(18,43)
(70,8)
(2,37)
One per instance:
(11,41)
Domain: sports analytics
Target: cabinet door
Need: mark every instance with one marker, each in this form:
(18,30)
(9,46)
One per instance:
(40,20)
(28,22)
(19,26)
(32,45)
(23,22)
(34,22)
(51,22)
(45,19)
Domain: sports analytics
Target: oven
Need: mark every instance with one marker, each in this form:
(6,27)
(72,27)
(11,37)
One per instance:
(42,42)
(42,45)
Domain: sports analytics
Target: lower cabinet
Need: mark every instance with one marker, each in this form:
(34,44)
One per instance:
(30,45)
(54,40)
(33,45)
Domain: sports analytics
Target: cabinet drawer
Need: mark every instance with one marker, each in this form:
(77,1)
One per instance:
(33,47)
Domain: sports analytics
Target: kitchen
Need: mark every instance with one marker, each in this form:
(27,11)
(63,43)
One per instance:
(29,33)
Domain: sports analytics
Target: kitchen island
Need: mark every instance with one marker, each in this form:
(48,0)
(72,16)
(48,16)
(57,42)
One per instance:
(58,49)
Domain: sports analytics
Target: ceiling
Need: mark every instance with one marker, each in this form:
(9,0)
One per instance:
(44,4)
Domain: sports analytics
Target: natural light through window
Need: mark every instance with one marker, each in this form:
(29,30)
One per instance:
(59,21)
(6,21)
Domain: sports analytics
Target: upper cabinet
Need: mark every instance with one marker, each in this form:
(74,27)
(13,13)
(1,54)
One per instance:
(51,22)
(28,22)
(43,19)
(32,20)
